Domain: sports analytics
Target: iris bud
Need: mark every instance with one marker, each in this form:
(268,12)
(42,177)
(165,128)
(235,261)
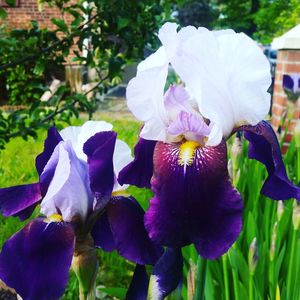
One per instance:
(280,210)
(297,133)
(296,215)
(85,266)
(252,257)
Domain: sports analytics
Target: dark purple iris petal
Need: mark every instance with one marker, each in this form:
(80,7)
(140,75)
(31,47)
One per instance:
(99,150)
(35,261)
(288,83)
(264,147)
(194,203)
(140,170)
(50,143)
(102,234)
(20,200)
(139,284)
(167,273)
(126,218)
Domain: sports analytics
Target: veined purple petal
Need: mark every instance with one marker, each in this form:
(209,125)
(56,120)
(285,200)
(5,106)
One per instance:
(166,274)
(126,219)
(102,235)
(99,150)
(194,201)
(36,260)
(140,170)
(50,143)
(189,123)
(20,200)
(139,285)
(264,147)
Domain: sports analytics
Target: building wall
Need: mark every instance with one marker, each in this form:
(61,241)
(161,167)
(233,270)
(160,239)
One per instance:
(27,10)
(288,62)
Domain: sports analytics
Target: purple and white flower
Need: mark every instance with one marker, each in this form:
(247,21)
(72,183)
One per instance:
(182,152)
(291,86)
(79,197)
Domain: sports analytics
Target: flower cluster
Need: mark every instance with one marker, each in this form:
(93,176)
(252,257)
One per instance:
(181,155)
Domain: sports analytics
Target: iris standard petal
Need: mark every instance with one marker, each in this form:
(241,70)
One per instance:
(166,274)
(36,260)
(126,219)
(225,72)
(121,158)
(78,135)
(145,92)
(99,150)
(140,170)
(194,201)
(69,192)
(50,143)
(20,200)
(139,284)
(264,147)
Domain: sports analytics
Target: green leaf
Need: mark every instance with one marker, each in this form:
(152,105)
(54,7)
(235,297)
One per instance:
(122,22)
(114,292)
(3,13)
(60,24)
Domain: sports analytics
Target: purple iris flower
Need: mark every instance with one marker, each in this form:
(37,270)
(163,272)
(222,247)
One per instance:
(182,153)
(291,86)
(83,207)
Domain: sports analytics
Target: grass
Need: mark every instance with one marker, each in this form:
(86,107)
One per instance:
(261,271)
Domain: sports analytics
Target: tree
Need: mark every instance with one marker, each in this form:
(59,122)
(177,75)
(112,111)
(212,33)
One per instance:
(104,35)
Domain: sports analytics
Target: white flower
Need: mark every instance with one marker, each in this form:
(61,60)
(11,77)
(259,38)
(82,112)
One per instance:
(225,73)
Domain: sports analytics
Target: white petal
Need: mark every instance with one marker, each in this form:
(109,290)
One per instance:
(78,135)
(69,192)
(227,74)
(122,157)
(145,92)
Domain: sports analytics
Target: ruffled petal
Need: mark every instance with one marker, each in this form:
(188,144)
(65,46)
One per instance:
(126,219)
(166,274)
(194,201)
(145,95)
(99,150)
(69,193)
(189,124)
(226,72)
(20,200)
(140,170)
(139,284)
(36,260)
(78,135)
(50,143)
(264,147)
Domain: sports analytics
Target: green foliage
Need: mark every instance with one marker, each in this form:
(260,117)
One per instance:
(275,18)
(101,35)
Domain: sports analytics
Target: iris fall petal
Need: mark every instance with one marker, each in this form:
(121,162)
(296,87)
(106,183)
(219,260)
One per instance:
(36,260)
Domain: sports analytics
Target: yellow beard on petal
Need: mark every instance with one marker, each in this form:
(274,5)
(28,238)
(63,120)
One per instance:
(187,153)
(54,218)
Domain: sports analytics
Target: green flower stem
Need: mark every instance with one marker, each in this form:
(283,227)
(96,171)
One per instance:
(200,278)
(235,284)
(290,278)
(225,275)
(251,287)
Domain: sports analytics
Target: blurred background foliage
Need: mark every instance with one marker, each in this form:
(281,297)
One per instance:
(106,36)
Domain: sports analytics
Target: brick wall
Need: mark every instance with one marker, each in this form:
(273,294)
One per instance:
(27,10)
(288,62)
